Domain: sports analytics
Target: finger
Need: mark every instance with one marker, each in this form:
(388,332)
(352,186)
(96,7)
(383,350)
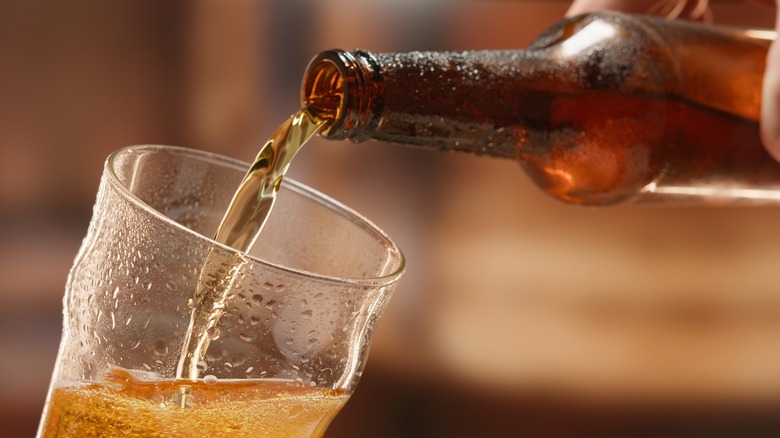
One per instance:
(635,6)
(770,98)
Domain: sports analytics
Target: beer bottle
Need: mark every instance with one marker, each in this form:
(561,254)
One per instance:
(600,109)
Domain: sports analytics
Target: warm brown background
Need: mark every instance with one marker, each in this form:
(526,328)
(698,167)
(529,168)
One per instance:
(518,315)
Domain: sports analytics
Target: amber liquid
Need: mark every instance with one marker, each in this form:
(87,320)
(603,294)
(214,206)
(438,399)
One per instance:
(124,406)
(609,148)
(239,229)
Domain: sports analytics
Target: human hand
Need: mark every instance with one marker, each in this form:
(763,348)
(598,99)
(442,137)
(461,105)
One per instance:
(699,10)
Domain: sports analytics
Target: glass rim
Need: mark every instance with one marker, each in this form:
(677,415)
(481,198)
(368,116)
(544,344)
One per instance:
(290,184)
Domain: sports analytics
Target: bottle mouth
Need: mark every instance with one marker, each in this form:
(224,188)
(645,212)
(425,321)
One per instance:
(338,88)
(324,89)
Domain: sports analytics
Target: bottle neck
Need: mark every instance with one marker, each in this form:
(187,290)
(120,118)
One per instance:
(437,100)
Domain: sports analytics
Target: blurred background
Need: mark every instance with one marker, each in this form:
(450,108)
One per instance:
(518,315)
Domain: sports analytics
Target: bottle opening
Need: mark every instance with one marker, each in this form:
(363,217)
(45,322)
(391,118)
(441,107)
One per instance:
(342,89)
(323,91)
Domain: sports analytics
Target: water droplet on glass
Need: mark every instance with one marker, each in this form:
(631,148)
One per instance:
(202,366)
(248,336)
(257,299)
(160,347)
(213,356)
(238,359)
(210,379)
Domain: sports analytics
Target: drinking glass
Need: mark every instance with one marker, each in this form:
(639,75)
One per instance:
(298,317)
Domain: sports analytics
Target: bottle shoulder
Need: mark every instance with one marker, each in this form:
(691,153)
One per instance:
(711,66)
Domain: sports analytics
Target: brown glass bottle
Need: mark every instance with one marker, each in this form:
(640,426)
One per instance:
(600,109)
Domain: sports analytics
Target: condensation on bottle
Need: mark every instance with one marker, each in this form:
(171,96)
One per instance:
(600,109)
